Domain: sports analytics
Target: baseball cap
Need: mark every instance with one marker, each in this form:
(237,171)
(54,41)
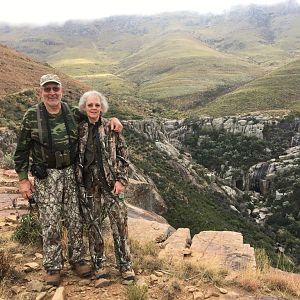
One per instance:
(49,78)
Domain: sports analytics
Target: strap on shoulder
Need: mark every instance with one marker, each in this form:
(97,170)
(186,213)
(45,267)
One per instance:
(39,123)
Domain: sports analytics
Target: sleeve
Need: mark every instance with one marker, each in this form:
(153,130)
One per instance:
(21,156)
(122,164)
(78,115)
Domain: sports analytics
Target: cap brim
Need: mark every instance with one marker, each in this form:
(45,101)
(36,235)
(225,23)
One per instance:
(55,81)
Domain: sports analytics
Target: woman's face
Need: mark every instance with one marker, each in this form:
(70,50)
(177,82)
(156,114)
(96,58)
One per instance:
(93,108)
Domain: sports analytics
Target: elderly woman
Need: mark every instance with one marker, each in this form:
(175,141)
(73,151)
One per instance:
(102,175)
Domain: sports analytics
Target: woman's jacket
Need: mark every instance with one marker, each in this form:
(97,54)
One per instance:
(114,153)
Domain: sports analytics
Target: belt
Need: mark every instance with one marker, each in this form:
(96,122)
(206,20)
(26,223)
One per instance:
(53,166)
(61,168)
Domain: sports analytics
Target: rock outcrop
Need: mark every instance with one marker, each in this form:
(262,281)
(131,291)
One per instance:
(223,249)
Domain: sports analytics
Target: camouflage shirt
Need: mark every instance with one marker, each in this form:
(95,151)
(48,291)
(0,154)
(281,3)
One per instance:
(29,144)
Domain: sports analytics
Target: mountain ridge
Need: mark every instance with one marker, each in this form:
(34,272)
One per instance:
(169,60)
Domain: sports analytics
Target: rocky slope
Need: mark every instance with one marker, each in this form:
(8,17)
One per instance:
(144,227)
(256,169)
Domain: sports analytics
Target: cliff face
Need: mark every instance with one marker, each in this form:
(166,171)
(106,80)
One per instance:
(170,136)
(259,179)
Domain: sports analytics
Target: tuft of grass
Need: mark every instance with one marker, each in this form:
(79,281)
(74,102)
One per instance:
(136,292)
(7,161)
(262,260)
(4,264)
(145,256)
(204,272)
(249,280)
(148,248)
(171,289)
(282,283)
(286,283)
(28,231)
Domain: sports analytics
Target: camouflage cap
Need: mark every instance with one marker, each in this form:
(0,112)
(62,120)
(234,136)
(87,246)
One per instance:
(49,78)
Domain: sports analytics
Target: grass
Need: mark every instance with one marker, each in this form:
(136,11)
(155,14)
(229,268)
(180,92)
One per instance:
(283,284)
(7,161)
(4,264)
(145,256)
(265,278)
(278,90)
(28,231)
(136,292)
(158,59)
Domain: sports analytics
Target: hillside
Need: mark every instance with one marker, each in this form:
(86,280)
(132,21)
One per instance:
(19,80)
(278,90)
(168,64)
(19,72)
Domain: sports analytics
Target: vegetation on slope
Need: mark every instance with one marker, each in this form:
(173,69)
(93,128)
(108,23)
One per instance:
(187,205)
(278,90)
(219,151)
(174,64)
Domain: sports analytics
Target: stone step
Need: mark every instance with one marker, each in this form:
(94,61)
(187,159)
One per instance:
(8,190)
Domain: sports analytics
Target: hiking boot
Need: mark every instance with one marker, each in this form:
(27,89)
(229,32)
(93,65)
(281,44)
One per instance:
(53,278)
(82,269)
(102,272)
(128,275)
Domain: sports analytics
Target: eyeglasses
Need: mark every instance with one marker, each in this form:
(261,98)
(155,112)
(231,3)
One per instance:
(97,105)
(48,89)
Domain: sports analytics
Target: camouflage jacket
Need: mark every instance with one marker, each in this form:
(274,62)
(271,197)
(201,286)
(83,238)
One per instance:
(114,153)
(29,145)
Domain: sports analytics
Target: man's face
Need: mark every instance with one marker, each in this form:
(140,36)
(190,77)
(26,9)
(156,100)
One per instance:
(51,94)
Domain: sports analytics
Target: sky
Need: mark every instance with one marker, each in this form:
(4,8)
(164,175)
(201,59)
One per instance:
(38,12)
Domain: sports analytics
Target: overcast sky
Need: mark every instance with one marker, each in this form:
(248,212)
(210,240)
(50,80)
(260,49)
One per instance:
(57,11)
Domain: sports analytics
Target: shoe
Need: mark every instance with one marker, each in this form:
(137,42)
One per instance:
(53,278)
(102,272)
(82,269)
(128,275)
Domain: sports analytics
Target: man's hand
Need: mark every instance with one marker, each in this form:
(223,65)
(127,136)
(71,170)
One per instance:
(115,124)
(118,188)
(25,188)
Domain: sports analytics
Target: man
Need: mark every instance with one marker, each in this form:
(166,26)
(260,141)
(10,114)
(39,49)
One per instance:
(48,136)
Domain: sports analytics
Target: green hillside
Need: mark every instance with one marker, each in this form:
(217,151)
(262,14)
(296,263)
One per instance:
(278,90)
(177,65)
(171,64)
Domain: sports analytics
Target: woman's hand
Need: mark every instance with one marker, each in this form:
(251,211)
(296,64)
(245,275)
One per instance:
(118,188)
(115,124)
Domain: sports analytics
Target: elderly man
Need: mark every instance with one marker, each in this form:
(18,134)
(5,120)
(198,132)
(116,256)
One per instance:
(48,136)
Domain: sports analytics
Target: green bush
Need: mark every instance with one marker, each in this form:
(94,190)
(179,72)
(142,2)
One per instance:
(135,292)
(28,231)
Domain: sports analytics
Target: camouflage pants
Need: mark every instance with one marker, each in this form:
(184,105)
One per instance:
(57,202)
(99,205)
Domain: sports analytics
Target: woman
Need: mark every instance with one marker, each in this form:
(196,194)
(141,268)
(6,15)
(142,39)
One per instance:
(102,175)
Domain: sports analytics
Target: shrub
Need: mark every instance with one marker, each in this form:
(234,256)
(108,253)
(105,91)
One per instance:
(28,231)
(7,161)
(135,292)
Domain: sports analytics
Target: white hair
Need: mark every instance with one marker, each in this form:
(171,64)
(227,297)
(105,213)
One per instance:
(84,97)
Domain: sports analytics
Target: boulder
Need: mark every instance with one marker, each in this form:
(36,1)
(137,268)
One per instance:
(148,231)
(175,245)
(224,248)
